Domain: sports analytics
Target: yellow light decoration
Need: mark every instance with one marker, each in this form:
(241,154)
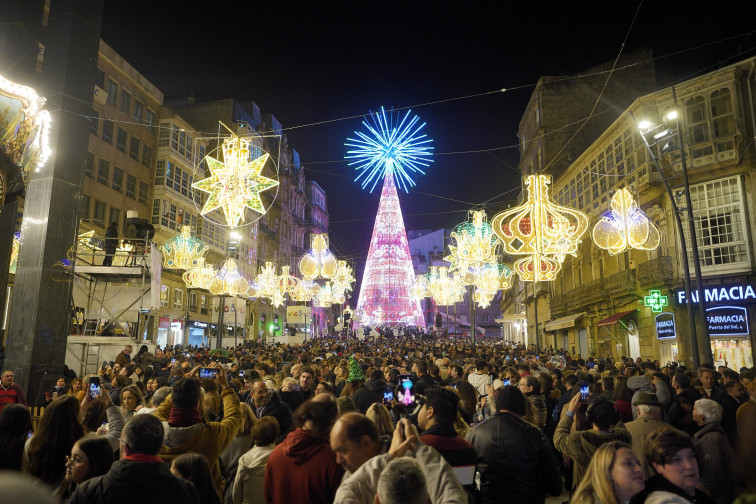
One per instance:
(318,262)
(625,226)
(419,288)
(200,278)
(277,299)
(184,251)
(14,253)
(266,280)
(506,277)
(475,243)
(228,281)
(324,297)
(286,282)
(235,183)
(344,276)
(541,230)
(304,291)
(445,289)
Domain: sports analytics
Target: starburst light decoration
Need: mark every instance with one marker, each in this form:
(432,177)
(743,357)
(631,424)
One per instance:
(236,182)
(184,251)
(390,146)
(228,281)
(540,230)
(318,262)
(625,226)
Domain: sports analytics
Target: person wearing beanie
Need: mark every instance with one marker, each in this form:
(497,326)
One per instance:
(514,456)
(354,380)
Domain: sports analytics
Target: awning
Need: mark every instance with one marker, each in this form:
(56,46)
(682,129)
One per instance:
(615,318)
(562,322)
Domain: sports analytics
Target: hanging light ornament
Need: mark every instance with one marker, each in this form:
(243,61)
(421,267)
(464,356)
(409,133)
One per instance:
(540,230)
(184,251)
(625,226)
(229,281)
(445,289)
(284,284)
(419,288)
(266,280)
(235,183)
(14,252)
(318,262)
(199,278)
(304,291)
(475,243)
(324,297)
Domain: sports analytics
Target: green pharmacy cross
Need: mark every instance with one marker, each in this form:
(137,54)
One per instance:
(656,301)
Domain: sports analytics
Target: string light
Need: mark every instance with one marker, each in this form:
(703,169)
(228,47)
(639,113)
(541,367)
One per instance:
(540,230)
(235,183)
(184,251)
(625,226)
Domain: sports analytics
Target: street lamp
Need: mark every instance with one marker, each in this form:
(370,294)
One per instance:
(662,137)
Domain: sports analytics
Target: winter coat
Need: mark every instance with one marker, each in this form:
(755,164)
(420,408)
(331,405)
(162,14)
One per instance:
(302,469)
(249,484)
(443,486)
(581,445)
(639,430)
(660,490)
(129,482)
(638,384)
(479,381)
(715,462)
(276,409)
(371,392)
(206,438)
(240,445)
(514,460)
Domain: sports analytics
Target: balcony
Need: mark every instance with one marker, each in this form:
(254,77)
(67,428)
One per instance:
(592,291)
(573,299)
(621,284)
(656,271)
(558,305)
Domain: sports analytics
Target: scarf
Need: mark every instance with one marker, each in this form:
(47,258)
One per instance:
(184,417)
(142,457)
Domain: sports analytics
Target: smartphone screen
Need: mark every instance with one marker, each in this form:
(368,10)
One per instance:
(585,391)
(388,395)
(406,393)
(94,387)
(506,382)
(208,372)
(173,361)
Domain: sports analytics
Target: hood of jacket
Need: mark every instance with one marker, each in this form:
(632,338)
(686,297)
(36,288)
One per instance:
(256,459)
(478,380)
(375,385)
(636,383)
(302,445)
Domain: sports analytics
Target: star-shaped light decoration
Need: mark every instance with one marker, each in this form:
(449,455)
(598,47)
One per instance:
(235,183)
(625,226)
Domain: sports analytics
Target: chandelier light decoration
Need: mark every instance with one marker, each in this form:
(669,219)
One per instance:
(392,150)
(266,280)
(540,230)
(318,262)
(236,182)
(228,281)
(625,227)
(184,251)
(304,291)
(445,289)
(200,278)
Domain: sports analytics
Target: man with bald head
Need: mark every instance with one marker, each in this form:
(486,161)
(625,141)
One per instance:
(354,440)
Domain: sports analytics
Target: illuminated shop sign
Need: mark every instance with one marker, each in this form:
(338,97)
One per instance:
(727,321)
(665,326)
(729,293)
(197,323)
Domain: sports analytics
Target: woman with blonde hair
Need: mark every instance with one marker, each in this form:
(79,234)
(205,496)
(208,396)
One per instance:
(614,476)
(131,401)
(77,389)
(381,417)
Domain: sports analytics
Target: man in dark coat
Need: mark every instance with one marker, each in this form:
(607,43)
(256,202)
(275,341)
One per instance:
(111,242)
(370,392)
(140,476)
(267,403)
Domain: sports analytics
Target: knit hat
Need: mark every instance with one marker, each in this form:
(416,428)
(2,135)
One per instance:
(355,371)
(512,399)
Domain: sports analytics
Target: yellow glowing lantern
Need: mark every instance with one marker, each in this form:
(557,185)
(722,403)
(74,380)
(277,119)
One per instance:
(625,226)
(318,262)
(304,291)
(235,183)
(184,251)
(540,230)
(324,297)
(266,280)
(229,281)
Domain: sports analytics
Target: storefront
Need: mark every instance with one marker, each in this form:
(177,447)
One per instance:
(729,309)
(618,335)
(198,332)
(170,332)
(562,333)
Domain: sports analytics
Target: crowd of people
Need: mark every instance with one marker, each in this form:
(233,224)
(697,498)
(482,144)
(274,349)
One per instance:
(401,418)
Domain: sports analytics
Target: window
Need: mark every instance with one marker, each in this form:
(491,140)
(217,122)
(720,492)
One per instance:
(695,120)
(94,123)
(136,144)
(164,134)
(164,293)
(131,183)
(146,155)
(107,131)
(150,118)
(160,172)
(89,164)
(138,110)
(121,139)
(103,172)
(117,179)
(722,117)
(144,189)
(86,202)
(112,91)
(156,211)
(721,225)
(178,298)
(100,79)
(99,212)
(193,302)
(125,102)
(115,216)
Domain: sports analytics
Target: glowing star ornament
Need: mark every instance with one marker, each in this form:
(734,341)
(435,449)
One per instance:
(625,226)
(228,281)
(184,251)
(235,183)
(390,146)
(540,230)
(318,262)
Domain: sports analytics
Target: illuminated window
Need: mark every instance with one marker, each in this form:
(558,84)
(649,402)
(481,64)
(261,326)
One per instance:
(164,294)
(178,298)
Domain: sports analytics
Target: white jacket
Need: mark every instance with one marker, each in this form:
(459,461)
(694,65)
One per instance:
(443,486)
(479,381)
(249,485)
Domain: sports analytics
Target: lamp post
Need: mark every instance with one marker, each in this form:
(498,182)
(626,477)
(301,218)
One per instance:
(661,134)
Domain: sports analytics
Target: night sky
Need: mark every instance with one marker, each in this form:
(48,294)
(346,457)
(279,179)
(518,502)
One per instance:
(314,62)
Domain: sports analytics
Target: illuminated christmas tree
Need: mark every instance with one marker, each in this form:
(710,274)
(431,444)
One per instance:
(392,151)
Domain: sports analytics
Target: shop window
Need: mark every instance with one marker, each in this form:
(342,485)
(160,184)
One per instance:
(164,294)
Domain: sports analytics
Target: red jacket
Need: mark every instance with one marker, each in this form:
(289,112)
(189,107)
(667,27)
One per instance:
(12,395)
(302,469)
